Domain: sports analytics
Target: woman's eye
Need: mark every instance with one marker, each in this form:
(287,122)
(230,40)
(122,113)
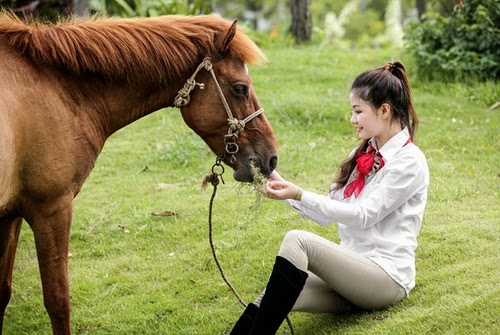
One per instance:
(240,90)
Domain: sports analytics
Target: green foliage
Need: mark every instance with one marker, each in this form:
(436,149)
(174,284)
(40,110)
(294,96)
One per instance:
(277,37)
(462,46)
(364,27)
(148,8)
(48,10)
(355,23)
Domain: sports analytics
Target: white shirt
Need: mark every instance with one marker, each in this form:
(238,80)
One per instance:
(383,222)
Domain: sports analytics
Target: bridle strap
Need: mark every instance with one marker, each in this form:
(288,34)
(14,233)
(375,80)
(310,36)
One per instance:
(235,126)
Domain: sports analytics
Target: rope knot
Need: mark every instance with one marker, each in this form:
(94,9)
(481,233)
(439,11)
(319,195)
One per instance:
(191,83)
(182,98)
(212,178)
(235,127)
(207,63)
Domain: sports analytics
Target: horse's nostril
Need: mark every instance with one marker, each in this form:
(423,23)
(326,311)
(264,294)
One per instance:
(263,168)
(273,163)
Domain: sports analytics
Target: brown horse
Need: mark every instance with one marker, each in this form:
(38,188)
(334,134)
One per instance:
(66,87)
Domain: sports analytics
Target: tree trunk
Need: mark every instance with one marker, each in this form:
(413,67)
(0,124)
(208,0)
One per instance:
(80,7)
(421,8)
(301,28)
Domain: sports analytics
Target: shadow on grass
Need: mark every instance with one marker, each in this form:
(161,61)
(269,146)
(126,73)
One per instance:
(383,321)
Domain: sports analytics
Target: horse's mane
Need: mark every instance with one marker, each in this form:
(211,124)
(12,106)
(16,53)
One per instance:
(139,49)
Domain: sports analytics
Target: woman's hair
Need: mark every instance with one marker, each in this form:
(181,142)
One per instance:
(388,84)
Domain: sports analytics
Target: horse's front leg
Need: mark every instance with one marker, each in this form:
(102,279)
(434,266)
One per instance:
(51,228)
(9,236)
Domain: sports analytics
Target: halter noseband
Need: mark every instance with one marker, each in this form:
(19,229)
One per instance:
(235,126)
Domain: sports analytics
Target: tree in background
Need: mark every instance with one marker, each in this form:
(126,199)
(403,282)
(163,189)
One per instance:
(80,7)
(421,8)
(335,26)
(301,28)
(394,23)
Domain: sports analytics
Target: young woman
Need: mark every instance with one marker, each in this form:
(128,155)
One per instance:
(377,200)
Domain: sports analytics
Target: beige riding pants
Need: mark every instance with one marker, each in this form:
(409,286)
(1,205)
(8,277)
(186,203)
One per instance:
(339,280)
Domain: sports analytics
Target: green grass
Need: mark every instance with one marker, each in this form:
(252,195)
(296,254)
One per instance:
(134,273)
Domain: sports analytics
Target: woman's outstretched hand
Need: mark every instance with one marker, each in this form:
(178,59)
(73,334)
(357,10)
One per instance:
(278,188)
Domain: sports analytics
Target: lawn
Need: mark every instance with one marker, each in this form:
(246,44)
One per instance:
(135,273)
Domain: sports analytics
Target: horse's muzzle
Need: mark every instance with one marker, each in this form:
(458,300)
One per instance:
(249,168)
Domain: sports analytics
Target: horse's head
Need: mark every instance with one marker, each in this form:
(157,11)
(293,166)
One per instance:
(226,112)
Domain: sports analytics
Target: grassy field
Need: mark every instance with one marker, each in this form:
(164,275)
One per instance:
(135,273)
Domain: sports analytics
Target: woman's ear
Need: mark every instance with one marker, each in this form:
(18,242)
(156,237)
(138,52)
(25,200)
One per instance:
(385,111)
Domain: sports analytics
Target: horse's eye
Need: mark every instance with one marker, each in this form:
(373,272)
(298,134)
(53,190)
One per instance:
(240,90)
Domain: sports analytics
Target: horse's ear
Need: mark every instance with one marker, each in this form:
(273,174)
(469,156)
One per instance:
(224,40)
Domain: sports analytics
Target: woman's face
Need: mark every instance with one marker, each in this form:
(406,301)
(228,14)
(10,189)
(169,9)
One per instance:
(367,120)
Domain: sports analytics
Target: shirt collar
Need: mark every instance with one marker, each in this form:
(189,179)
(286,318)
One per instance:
(389,150)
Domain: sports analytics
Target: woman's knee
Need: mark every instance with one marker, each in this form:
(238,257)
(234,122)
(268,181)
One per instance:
(293,248)
(293,236)
(294,239)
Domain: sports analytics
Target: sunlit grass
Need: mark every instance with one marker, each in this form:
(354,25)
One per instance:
(136,273)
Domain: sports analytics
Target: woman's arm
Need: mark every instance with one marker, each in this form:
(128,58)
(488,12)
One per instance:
(401,181)
(279,189)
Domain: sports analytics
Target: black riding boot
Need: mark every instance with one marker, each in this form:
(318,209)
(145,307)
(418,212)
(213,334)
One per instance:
(245,323)
(283,289)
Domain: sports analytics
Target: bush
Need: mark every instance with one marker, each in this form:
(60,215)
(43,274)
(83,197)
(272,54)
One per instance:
(48,10)
(462,46)
(148,8)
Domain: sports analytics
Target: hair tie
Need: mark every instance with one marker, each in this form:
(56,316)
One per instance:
(389,66)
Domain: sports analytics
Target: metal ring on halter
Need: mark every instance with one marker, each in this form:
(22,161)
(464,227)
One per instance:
(234,147)
(218,165)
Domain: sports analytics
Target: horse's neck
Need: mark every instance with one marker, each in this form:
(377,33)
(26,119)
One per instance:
(110,108)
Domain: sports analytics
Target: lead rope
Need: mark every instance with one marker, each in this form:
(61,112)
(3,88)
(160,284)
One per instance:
(235,128)
(213,178)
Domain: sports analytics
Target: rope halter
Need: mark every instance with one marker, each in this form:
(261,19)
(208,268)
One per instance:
(236,126)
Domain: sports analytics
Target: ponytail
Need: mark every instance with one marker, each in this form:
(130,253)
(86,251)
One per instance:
(406,113)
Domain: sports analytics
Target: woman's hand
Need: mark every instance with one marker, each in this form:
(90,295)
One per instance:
(279,189)
(275,176)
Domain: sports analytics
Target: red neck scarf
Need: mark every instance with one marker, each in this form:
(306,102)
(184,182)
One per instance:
(367,163)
